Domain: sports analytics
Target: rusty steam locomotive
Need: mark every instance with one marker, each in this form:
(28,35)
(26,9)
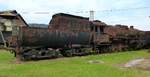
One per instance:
(69,35)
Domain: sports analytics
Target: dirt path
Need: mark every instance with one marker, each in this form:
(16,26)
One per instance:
(133,63)
(142,64)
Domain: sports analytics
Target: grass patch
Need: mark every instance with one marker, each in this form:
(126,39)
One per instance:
(73,67)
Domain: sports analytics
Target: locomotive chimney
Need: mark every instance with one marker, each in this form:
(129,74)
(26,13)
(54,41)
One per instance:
(91,15)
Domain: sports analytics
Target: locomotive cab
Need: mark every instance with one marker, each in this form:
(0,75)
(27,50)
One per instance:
(100,36)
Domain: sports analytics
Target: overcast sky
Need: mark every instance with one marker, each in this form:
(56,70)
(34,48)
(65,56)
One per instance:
(132,12)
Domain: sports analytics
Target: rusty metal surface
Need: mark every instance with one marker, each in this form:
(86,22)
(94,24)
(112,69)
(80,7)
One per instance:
(65,22)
